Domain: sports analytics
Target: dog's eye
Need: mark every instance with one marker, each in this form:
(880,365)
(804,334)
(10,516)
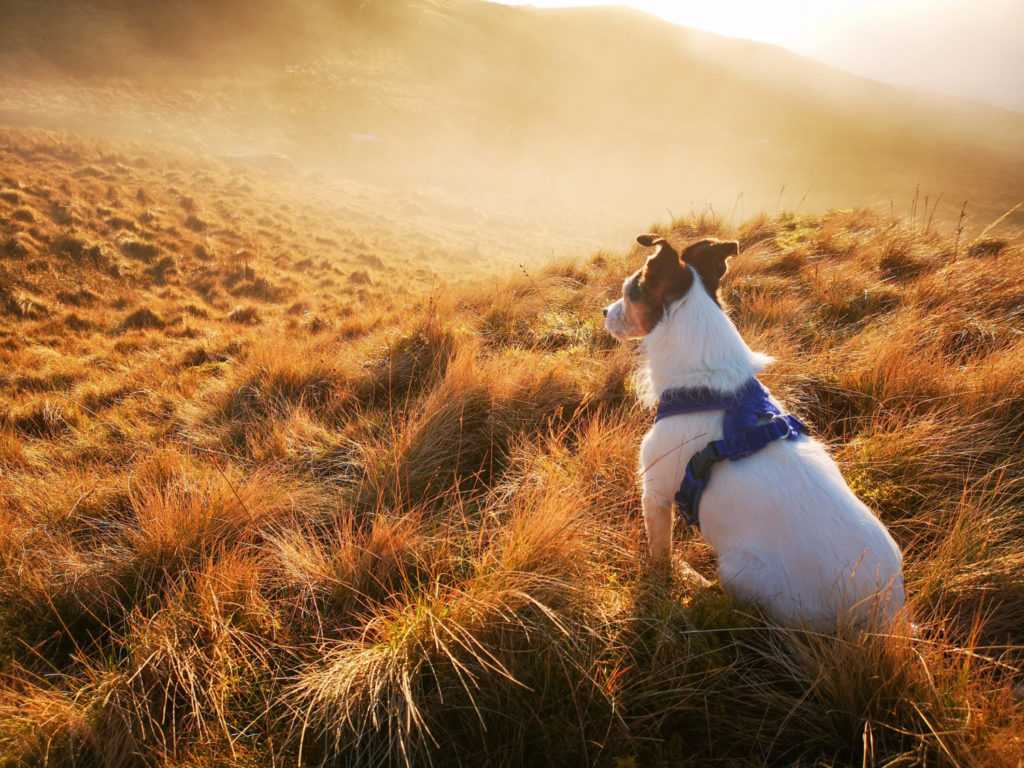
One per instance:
(635,291)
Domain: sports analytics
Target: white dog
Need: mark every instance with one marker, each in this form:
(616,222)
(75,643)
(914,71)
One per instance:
(789,533)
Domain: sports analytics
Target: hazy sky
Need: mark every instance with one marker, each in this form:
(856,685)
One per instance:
(969,48)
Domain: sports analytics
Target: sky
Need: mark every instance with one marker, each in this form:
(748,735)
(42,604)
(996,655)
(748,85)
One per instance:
(972,48)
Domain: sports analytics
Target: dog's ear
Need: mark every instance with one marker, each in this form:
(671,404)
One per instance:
(709,257)
(662,270)
(662,260)
(649,241)
(721,253)
(665,252)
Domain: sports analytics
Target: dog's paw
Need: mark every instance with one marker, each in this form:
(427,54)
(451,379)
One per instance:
(687,573)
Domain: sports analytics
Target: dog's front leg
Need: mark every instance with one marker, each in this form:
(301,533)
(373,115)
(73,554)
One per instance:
(658,518)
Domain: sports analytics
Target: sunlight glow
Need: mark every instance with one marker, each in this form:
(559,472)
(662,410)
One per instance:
(963,47)
(783,22)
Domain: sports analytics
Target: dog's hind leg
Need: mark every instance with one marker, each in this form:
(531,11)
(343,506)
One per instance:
(658,518)
(756,577)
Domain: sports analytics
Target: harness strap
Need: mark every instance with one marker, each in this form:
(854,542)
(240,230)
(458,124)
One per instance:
(734,446)
(693,400)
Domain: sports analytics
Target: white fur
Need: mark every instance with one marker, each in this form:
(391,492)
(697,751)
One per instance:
(789,533)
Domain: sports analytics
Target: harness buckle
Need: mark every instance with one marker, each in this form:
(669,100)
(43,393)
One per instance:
(705,458)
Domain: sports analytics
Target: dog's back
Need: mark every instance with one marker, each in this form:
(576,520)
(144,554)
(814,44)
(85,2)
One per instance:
(789,533)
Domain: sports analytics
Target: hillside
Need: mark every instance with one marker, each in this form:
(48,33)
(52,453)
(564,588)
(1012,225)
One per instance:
(165,220)
(254,511)
(586,120)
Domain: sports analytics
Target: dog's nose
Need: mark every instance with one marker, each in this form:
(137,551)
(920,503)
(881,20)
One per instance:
(605,311)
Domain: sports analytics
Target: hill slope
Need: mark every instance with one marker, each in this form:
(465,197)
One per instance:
(405,528)
(607,111)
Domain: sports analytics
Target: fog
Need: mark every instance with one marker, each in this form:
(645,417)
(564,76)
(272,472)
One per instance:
(542,131)
(968,48)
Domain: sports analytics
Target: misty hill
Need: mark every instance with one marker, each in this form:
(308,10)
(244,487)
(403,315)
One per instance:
(87,223)
(604,110)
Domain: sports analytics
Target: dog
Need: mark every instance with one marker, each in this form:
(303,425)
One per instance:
(789,534)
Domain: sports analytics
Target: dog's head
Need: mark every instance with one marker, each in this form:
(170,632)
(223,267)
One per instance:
(666,278)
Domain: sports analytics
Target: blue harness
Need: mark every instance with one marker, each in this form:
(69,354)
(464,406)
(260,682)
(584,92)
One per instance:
(751,423)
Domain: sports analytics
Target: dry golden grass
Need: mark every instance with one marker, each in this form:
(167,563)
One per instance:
(379,528)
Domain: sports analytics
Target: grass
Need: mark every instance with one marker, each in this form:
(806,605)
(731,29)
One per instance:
(403,529)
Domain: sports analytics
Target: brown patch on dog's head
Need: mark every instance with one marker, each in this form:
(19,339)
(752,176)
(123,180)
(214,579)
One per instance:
(663,280)
(665,276)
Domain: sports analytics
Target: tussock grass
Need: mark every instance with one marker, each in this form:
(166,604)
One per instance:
(411,535)
(144,318)
(476,643)
(340,566)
